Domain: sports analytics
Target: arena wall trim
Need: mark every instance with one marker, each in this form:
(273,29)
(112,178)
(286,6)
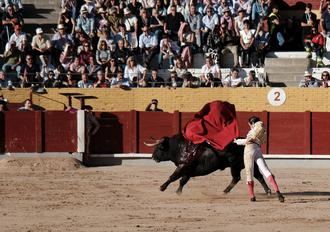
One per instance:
(184,99)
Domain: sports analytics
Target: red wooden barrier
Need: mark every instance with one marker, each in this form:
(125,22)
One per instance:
(38,131)
(153,124)
(114,135)
(320,131)
(125,132)
(21,131)
(288,133)
(59,132)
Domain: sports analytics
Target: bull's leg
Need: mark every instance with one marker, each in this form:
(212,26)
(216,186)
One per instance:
(236,174)
(261,180)
(176,175)
(183,181)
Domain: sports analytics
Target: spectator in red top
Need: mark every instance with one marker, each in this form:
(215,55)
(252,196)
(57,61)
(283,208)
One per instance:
(85,53)
(308,21)
(315,44)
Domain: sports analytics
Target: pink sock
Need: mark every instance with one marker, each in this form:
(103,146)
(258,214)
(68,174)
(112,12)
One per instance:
(273,183)
(251,189)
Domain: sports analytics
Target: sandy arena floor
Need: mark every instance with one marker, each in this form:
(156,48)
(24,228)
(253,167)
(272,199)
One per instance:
(58,195)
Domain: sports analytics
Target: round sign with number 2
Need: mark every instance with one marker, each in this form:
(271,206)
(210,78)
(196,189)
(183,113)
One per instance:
(276,96)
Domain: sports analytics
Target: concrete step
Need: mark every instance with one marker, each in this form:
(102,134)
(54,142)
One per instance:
(289,69)
(283,84)
(285,77)
(293,54)
(40,14)
(42,2)
(286,63)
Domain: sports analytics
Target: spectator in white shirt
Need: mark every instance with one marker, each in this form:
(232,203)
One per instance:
(233,80)
(210,68)
(210,20)
(17,36)
(84,82)
(131,26)
(239,21)
(148,44)
(135,73)
(247,41)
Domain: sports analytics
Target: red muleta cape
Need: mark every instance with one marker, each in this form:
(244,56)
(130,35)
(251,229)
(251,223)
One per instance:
(215,123)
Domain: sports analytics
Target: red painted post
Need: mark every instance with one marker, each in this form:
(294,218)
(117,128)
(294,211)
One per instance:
(176,122)
(133,127)
(39,125)
(308,133)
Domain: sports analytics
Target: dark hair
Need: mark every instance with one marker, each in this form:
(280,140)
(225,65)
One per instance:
(309,5)
(234,70)
(246,21)
(87,107)
(253,120)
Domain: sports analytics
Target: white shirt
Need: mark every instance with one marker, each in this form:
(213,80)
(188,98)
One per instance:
(136,71)
(130,22)
(88,84)
(16,38)
(247,36)
(214,69)
(147,41)
(148,3)
(210,22)
(231,82)
(239,22)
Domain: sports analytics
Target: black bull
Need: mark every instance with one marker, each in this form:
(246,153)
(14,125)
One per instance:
(208,161)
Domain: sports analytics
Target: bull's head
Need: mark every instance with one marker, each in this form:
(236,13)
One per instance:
(162,149)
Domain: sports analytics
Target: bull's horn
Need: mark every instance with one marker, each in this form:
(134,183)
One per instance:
(151,144)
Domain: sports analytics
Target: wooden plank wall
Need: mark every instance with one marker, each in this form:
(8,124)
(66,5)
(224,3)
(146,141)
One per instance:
(125,132)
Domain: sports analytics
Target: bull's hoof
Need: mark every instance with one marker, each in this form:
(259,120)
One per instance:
(163,188)
(269,192)
(179,191)
(281,198)
(226,191)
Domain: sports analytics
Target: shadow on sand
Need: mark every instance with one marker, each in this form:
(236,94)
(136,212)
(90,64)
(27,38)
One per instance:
(307,193)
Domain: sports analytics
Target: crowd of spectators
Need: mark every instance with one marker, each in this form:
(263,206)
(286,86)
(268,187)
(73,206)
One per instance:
(112,43)
(311,82)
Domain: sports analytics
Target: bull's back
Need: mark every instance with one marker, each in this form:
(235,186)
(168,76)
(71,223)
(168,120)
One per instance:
(208,162)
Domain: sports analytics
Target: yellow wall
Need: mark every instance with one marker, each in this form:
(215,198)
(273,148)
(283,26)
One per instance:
(185,100)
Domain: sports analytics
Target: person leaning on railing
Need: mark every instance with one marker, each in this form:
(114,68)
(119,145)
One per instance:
(325,79)
(29,73)
(174,81)
(154,80)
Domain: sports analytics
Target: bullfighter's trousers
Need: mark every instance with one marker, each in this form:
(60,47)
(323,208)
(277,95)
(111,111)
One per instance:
(252,152)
